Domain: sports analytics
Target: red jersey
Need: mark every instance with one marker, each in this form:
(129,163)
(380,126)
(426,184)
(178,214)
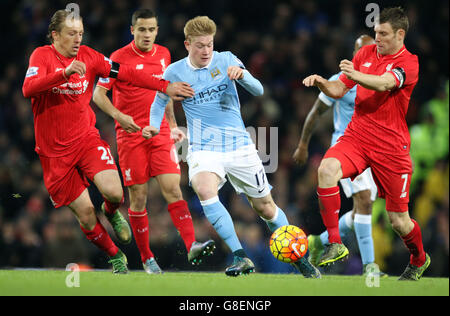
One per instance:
(132,100)
(62,114)
(379,120)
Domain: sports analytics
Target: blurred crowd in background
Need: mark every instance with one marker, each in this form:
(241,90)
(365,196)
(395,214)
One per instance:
(280,42)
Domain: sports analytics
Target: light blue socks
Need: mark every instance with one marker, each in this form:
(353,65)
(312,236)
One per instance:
(278,220)
(363,231)
(221,220)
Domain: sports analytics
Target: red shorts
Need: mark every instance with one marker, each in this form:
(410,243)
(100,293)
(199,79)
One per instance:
(67,177)
(392,173)
(140,158)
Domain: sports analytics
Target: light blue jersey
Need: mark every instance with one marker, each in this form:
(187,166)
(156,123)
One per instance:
(343,109)
(213,115)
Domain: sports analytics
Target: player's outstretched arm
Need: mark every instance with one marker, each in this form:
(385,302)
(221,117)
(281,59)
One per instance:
(101,99)
(335,89)
(300,155)
(178,91)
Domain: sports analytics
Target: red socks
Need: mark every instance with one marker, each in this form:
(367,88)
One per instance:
(111,207)
(330,204)
(99,237)
(414,243)
(139,225)
(181,218)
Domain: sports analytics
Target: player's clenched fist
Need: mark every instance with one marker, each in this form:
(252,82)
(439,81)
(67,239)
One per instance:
(75,66)
(235,73)
(300,155)
(313,80)
(149,131)
(347,68)
(177,135)
(179,91)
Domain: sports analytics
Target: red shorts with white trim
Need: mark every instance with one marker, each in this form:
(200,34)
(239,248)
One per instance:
(141,159)
(67,177)
(391,173)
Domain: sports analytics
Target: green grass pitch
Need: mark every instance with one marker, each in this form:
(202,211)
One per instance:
(53,282)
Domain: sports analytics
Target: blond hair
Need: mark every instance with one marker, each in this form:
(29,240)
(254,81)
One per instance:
(199,26)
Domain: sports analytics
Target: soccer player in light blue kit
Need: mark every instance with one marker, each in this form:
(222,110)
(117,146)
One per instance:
(219,145)
(363,188)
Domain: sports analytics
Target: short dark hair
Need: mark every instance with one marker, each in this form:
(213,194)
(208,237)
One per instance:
(142,14)
(56,22)
(395,16)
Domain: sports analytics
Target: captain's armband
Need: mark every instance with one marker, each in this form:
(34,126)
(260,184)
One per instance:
(400,76)
(114,70)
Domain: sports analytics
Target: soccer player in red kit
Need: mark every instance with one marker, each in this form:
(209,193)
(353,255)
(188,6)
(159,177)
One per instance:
(377,136)
(59,81)
(140,158)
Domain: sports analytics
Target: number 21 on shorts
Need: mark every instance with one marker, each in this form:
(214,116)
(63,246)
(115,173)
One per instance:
(106,155)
